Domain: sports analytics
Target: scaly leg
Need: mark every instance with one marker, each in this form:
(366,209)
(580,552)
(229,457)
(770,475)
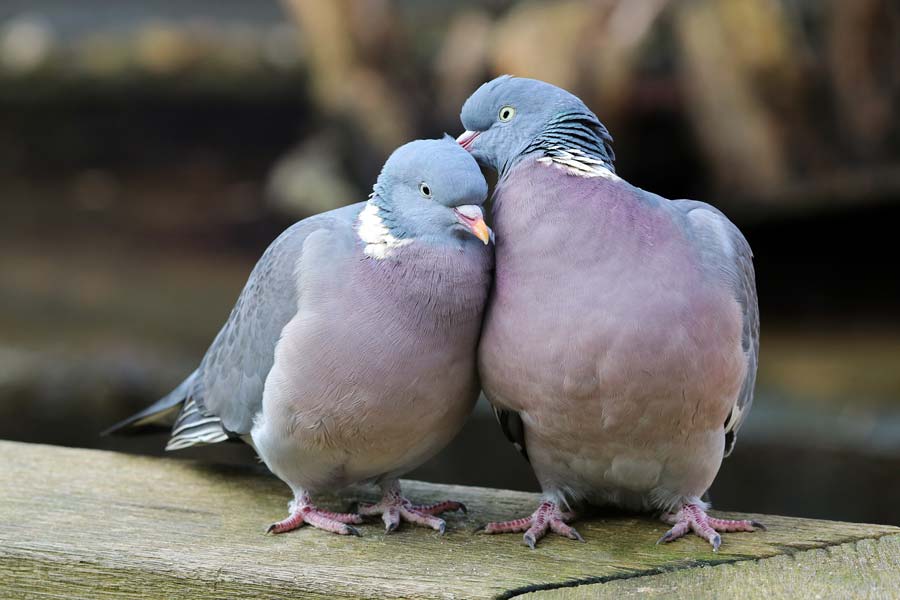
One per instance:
(693,517)
(548,516)
(394,508)
(304,511)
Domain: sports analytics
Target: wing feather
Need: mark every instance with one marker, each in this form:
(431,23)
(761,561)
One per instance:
(234,370)
(726,248)
(220,400)
(513,428)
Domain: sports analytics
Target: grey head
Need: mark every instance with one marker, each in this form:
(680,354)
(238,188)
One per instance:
(428,190)
(509,118)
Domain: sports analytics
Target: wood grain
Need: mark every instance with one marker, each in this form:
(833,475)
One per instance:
(80,523)
(864,569)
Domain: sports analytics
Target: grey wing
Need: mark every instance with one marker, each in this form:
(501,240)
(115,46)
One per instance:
(513,428)
(746,295)
(726,249)
(226,390)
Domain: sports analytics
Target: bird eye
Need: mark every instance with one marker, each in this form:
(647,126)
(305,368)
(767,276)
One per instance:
(507,113)
(425,190)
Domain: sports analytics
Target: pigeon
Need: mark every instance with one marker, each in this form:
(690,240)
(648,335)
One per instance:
(620,343)
(350,356)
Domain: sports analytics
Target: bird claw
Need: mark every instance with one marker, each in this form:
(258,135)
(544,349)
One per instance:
(758,525)
(692,517)
(354,531)
(303,512)
(547,517)
(394,508)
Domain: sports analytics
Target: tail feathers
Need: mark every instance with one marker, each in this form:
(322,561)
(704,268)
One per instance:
(193,428)
(160,414)
(190,424)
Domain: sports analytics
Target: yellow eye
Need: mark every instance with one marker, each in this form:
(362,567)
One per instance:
(425,190)
(506,113)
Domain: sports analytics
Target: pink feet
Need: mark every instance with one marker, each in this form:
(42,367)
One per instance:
(394,508)
(303,511)
(694,517)
(547,516)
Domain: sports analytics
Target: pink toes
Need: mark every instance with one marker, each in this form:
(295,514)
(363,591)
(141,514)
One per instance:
(729,526)
(391,518)
(548,516)
(415,517)
(561,528)
(305,512)
(513,526)
(341,527)
(692,517)
(351,518)
(292,522)
(440,507)
(680,528)
(394,509)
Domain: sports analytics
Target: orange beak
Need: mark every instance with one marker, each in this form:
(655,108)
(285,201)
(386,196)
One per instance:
(472,218)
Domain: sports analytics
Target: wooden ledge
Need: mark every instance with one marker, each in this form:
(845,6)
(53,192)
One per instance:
(80,523)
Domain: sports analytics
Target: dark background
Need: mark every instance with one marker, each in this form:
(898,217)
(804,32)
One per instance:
(149,152)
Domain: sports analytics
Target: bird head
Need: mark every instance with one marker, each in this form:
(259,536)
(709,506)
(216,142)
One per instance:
(432,190)
(505,116)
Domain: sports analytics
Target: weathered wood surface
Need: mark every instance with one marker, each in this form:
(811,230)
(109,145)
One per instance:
(864,569)
(91,524)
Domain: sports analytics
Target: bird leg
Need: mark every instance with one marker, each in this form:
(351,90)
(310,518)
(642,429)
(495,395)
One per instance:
(394,508)
(693,517)
(548,516)
(304,511)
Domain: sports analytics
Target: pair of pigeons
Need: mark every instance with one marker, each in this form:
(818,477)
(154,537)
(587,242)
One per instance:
(618,343)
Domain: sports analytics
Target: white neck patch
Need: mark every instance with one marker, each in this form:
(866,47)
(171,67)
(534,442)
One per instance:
(377,237)
(576,162)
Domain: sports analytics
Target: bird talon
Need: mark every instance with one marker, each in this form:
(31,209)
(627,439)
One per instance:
(693,517)
(353,531)
(394,509)
(547,517)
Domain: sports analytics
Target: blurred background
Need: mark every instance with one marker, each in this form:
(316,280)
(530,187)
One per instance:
(150,150)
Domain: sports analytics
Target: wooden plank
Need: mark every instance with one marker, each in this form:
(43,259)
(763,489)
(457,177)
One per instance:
(864,569)
(80,523)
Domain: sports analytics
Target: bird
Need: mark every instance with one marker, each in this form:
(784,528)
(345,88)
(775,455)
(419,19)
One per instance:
(621,339)
(350,355)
